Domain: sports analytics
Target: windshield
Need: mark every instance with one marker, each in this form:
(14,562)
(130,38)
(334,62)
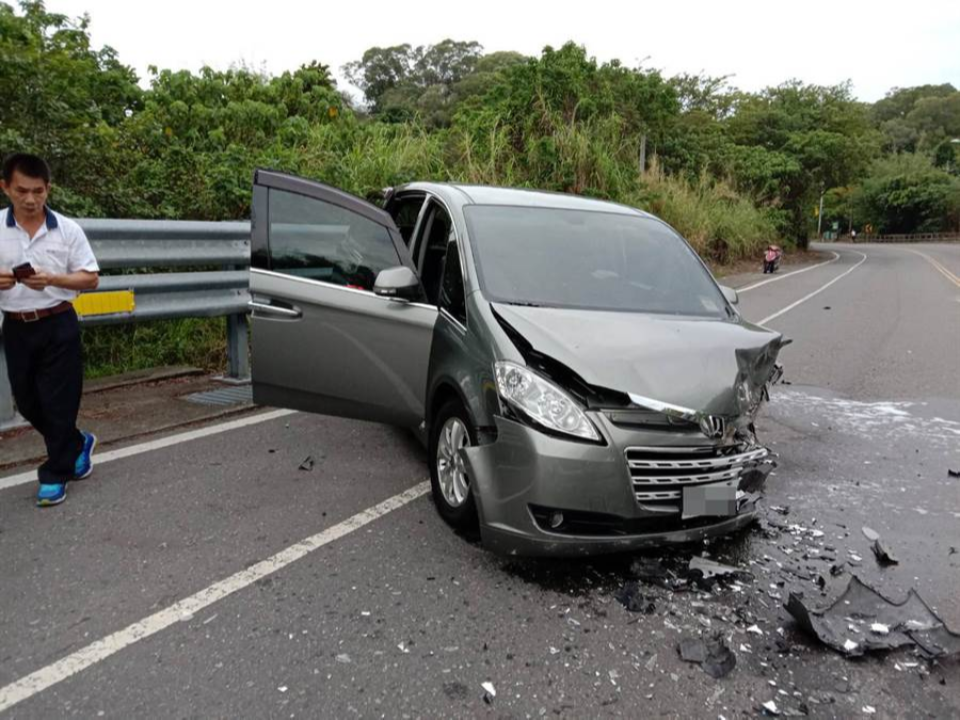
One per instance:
(588,260)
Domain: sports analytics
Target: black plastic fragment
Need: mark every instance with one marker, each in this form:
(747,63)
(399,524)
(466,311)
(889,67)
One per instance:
(910,622)
(712,655)
(953,473)
(633,600)
(307,464)
(884,556)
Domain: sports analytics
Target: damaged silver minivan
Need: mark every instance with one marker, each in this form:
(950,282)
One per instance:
(581,382)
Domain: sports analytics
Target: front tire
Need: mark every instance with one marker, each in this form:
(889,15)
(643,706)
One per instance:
(451,431)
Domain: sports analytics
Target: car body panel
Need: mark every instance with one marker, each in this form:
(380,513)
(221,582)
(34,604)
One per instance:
(350,353)
(525,468)
(686,361)
(333,349)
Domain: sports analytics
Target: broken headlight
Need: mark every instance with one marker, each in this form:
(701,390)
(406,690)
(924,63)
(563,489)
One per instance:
(542,401)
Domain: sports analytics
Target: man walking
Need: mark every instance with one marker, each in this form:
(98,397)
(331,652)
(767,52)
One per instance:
(45,259)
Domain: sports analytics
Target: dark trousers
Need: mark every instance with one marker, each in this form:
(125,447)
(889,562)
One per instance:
(45,364)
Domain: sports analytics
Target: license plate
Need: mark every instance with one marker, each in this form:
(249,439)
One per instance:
(718,499)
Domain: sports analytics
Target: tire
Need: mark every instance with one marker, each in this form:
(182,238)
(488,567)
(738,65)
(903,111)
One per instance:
(452,491)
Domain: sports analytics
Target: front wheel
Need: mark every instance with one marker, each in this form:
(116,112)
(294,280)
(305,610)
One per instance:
(450,432)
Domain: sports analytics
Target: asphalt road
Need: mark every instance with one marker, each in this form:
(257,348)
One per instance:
(390,614)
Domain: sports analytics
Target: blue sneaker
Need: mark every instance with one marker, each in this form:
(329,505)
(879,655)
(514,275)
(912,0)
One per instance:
(51,494)
(84,464)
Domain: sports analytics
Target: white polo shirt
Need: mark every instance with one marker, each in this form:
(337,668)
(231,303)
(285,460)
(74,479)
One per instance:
(60,246)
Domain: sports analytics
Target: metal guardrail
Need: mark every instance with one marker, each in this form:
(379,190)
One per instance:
(911,238)
(218,287)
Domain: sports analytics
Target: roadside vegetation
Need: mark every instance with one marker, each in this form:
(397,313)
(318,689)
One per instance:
(731,170)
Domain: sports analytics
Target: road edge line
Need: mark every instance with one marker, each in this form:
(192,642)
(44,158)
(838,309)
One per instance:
(836,256)
(816,292)
(184,610)
(31,475)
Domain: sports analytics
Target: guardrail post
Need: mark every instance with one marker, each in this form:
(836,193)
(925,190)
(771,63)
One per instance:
(9,417)
(238,358)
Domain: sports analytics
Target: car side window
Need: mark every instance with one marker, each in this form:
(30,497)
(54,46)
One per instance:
(405,211)
(433,246)
(452,298)
(317,240)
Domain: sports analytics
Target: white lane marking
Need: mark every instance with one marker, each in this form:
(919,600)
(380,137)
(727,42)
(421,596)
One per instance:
(186,609)
(816,292)
(31,475)
(836,256)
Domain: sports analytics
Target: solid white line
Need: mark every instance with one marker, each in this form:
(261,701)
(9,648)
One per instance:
(819,290)
(185,609)
(100,458)
(836,256)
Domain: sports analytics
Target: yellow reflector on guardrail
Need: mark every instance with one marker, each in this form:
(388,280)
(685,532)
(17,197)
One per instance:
(105,303)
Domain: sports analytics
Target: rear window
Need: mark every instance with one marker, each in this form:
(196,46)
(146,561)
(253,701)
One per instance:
(588,260)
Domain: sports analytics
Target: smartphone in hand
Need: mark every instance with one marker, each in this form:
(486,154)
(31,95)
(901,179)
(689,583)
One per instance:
(23,271)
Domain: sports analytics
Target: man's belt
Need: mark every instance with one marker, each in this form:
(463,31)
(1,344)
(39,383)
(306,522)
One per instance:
(34,315)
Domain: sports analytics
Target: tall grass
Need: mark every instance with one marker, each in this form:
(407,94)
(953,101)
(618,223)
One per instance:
(719,223)
(115,349)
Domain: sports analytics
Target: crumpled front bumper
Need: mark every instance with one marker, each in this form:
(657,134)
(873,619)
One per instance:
(524,475)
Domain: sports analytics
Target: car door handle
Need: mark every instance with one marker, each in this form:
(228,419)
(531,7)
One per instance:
(269,309)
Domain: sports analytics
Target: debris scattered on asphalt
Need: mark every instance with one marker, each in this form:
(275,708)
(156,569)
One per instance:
(908,623)
(489,692)
(653,572)
(708,569)
(307,463)
(869,710)
(712,654)
(884,556)
(633,600)
(770,708)
(755,630)
(282,688)
(870,534)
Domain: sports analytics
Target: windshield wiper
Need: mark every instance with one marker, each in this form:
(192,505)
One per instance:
(521,303)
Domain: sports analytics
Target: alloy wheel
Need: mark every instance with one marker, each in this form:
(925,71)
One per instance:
(450,469)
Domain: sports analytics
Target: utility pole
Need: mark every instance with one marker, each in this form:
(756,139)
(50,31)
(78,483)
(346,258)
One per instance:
(820,218)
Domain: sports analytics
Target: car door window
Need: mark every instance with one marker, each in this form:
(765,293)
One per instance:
(405,211)
(320,241)
(452,298)
(433,246)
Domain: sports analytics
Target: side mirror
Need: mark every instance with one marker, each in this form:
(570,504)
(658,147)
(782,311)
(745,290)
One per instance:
(398,283)
(730,294)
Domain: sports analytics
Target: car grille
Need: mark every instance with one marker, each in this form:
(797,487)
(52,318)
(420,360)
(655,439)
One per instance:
(659,474)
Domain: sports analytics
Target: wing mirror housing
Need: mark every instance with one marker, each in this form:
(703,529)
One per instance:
(397,283)
(730,294)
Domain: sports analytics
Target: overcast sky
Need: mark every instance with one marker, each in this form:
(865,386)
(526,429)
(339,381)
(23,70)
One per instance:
(877,44)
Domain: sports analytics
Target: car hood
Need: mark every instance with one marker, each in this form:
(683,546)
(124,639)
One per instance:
(711,366)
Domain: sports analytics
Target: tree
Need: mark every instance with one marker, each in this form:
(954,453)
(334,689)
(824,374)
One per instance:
(795,141)
(907,194)
(918,117)
(64,100)
(402,82)
(379,70)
